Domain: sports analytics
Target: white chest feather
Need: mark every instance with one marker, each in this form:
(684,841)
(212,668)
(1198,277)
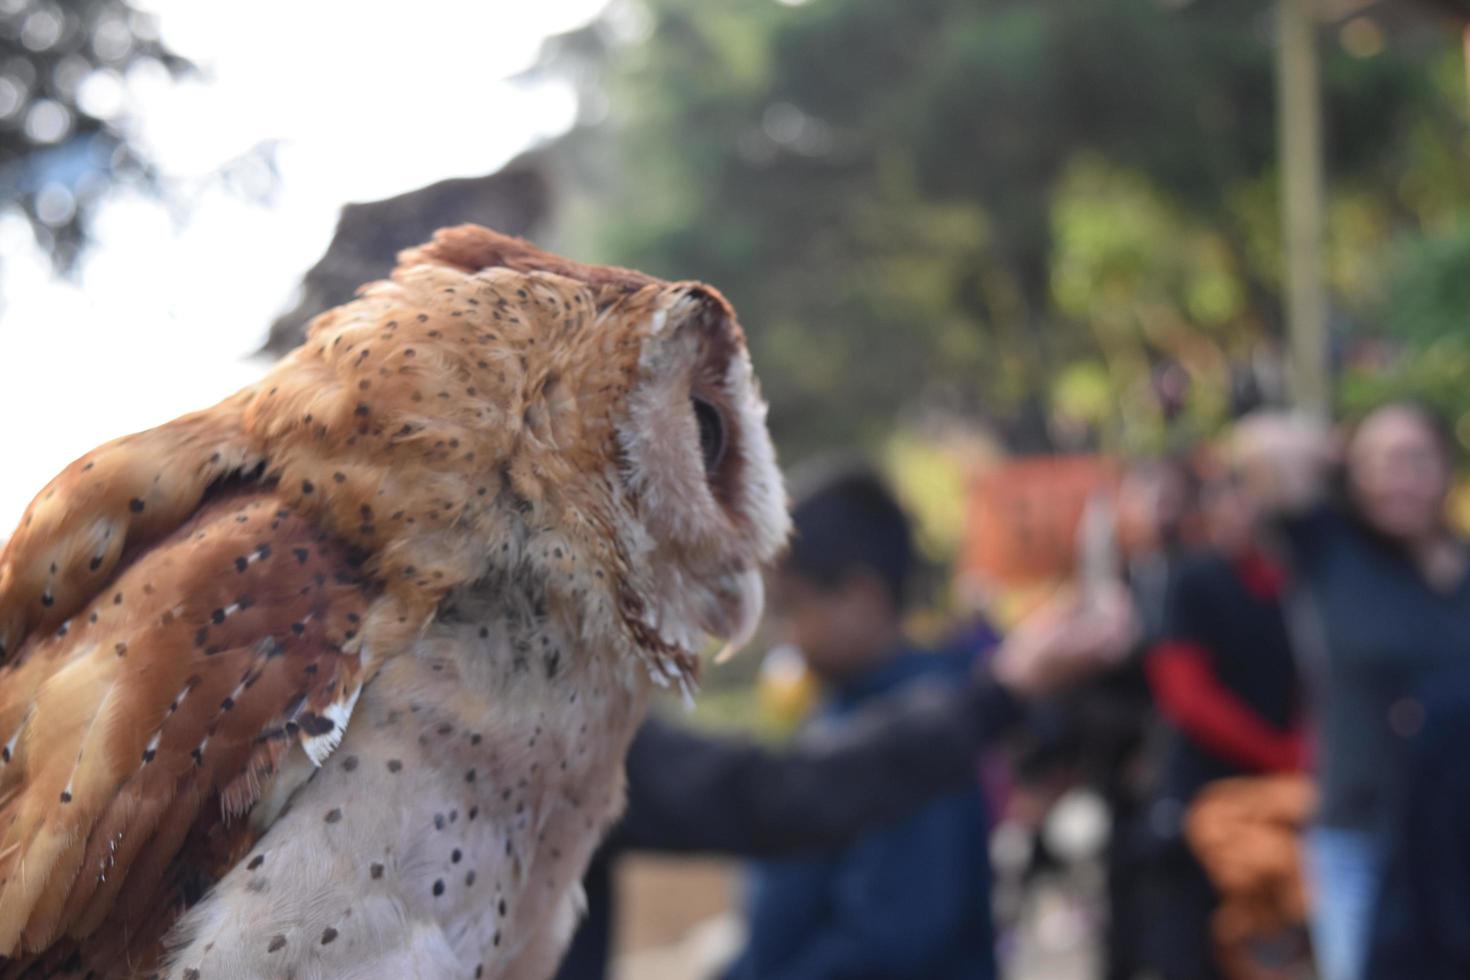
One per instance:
(447,835)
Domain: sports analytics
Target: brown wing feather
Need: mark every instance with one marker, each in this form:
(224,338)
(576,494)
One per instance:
(122,495)
(161,709)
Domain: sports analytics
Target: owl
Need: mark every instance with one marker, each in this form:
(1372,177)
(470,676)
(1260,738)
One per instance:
(335,678)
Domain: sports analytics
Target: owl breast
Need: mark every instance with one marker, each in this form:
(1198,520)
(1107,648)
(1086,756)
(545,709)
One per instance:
(448,834)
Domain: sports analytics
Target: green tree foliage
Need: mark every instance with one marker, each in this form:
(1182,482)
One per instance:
(63,136)
(987,204)
(1422,347)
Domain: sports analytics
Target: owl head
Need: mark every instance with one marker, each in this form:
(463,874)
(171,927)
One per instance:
(636,481)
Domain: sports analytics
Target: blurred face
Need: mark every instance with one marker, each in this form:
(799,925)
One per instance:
(842,630)
(1398,474)
(1150,498)
(1230,515)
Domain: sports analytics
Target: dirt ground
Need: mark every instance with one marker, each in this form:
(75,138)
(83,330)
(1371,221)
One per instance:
(665,898)
(680,921)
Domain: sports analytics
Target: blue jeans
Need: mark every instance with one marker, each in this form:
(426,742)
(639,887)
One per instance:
(1345,874)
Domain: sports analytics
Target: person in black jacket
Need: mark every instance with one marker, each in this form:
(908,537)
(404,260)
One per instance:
(1422,930)
(1388,583)
(1102,733)
(691,792)
(1224,677)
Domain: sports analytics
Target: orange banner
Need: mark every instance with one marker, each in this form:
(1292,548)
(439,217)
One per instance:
(1021,525)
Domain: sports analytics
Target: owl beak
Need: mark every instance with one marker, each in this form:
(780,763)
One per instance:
(743,609)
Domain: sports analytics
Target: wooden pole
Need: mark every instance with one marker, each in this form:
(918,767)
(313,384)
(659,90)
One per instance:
(1467,69)
(1299,126)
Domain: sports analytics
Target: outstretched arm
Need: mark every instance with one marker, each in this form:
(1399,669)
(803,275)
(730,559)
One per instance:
(1192,696)
(693,792)
(689,791)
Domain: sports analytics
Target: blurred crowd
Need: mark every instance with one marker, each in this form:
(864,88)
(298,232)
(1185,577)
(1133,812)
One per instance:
(1256,667)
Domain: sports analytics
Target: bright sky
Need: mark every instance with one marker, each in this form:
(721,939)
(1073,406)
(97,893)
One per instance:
(368,99)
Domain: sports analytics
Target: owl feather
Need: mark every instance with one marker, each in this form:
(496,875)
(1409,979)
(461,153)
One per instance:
(495,448)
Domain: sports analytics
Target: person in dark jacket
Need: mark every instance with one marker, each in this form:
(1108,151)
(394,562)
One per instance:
(1422,930)
(1102,732)
(1386,581)
(1224,677)
(695,793)
(912,899)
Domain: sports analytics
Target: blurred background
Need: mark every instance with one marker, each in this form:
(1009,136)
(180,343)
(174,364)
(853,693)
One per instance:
(1001,248)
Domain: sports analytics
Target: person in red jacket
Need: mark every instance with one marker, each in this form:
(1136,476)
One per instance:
(1225,681)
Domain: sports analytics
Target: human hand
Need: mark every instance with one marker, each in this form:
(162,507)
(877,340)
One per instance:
(1069,638)
(1282,459)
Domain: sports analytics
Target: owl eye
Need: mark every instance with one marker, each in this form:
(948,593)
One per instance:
(711,433)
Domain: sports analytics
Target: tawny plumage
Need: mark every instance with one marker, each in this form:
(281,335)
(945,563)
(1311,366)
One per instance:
(335,678)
